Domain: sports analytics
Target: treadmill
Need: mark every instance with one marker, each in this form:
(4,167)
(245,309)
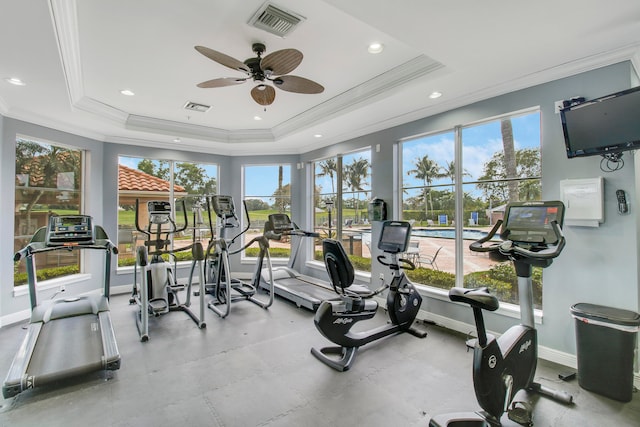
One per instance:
(304,291)
(68,336)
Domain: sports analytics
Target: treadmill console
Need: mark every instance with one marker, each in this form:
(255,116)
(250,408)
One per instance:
(530,222)
(281,223)
(65,230)
(223,206)
(395,236)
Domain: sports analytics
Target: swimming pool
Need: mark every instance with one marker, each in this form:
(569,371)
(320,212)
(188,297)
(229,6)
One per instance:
(448,233)
(442,233)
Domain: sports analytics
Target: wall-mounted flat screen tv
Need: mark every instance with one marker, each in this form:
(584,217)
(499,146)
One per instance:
(605,125)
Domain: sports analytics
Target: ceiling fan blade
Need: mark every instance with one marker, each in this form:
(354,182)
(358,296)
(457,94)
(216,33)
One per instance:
(263,94)
(221,82)
(297,84)
(281,61)
(223,59)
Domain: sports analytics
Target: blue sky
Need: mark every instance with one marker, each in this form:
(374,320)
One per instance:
(480,142)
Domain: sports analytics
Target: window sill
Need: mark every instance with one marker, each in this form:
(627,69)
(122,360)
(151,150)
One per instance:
(52,284)
(505,309)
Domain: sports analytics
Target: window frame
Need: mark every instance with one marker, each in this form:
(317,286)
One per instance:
(459,184)
(82,263)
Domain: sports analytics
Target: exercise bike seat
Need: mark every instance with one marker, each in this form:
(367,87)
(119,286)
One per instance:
(339,267)
(478,297)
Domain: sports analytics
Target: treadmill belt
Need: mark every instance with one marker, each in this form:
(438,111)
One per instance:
(302,288)
(68,346)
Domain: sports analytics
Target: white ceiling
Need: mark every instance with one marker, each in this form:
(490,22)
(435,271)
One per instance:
(76,56)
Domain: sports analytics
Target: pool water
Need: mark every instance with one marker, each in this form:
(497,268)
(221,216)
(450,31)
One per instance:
(448,233)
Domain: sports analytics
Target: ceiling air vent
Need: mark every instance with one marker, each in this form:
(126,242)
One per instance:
(194,106)
(275,20)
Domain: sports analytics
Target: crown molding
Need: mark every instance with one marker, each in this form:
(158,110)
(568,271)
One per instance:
(627,53)
(64,18)
(374,88)
(168,127)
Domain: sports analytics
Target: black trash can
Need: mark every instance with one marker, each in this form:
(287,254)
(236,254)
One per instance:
(606,340)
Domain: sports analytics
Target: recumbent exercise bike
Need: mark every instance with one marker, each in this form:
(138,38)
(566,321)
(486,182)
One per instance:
(335,318)
(531,237)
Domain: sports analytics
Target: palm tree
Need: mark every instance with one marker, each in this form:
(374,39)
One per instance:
(450,171)
(355,175)
(427,170)
(509,157)
(328,168)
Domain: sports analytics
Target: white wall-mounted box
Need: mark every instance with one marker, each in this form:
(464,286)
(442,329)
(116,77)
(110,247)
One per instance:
(583,200)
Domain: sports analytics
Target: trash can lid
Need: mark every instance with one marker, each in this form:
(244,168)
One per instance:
(606,314)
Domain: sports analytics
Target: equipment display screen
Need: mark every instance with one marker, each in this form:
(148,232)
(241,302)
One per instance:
(70,229)
(280,222)
(223,206)
(395,236)
(531,222)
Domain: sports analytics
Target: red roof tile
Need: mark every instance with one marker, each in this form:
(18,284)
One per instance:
(135,180)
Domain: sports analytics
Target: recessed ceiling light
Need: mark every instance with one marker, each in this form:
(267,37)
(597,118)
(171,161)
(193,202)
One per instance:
(127,92)
(435,95)
(375,48)
(317,135)
(257,118)
(15,81)
(177,140)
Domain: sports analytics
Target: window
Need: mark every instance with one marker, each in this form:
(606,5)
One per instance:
(500,163)
(49,181)
(267,190)
(148,179)
(428,198)
(340,210)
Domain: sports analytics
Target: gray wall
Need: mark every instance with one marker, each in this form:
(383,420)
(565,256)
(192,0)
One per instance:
(599,265)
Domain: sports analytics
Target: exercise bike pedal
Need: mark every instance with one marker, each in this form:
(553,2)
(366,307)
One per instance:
(521,412)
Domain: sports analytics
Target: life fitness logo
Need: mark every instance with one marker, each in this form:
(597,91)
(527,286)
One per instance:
(493,361)
(524,347)
(342,321)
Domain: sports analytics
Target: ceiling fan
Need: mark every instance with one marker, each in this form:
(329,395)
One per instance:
(272,68)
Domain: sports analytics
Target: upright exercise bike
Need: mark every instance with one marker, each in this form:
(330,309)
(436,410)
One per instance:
(335,318)
(531,237)
(156,293)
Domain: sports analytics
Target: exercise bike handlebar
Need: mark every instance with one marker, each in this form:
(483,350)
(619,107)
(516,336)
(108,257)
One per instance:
(406,264)
(510,248)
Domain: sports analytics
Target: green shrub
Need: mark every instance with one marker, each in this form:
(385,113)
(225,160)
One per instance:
(430,277)
(46,274)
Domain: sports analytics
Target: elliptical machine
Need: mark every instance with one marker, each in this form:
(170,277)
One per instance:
(157,292)
(335,318)
(531,236)
(220,284)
